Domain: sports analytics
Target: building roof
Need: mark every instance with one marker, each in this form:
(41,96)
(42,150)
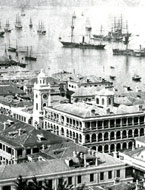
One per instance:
(141,139)
(82,91)
(105,92)
(53,166)
(122,186)
(10,89)
(64,149)
(19,134)
(86,110)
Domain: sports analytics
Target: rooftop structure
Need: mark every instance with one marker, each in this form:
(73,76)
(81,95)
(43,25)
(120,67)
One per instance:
(91,169)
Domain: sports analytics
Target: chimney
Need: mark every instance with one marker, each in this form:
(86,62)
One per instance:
(89,151)
(74,154)
(85,161)
(140,108)
(115,154)
(96,161)
(19,132)
(108,111)
(5,125)
(81,155)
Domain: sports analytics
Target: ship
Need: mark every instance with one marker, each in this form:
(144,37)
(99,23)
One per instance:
(129,52)
(136,77)
(11,48)
(2,32)
(23,12)
(18,24)
(7,27)
(41,29)
(7,61)
(117,33)
(29,56)
(83,44)
(30,23)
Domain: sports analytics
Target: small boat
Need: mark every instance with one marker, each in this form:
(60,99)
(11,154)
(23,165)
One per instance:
(136,77)
(22,12)
(7,27)
(12,49)
(112,77)
(29,56)
(112,67)
(30,24)
(18,24)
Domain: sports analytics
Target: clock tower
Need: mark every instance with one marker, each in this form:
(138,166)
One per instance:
(41,98)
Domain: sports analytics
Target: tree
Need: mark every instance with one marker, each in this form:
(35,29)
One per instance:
(21,184)
(47,185)
(34,184)
(63,185)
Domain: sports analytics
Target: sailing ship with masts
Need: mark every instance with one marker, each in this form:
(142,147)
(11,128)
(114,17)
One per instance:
(41,29)
(117,33)
(127,51)
(30,23)
(2,32)
(82,45)
(7,27)
(7,61)
(18,24)
(29,56)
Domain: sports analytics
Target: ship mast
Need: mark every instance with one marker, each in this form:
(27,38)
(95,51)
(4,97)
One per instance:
(127,36)
(72,28)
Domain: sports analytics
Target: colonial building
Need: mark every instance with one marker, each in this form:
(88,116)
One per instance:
(102,126)
(91,169)
(89,81)
(18,140)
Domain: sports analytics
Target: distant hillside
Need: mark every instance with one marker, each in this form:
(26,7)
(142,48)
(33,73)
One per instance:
(32,3)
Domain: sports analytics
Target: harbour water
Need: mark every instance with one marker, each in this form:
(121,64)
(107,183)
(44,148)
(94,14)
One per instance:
(57,22)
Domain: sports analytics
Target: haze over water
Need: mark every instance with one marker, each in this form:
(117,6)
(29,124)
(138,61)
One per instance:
(57,21)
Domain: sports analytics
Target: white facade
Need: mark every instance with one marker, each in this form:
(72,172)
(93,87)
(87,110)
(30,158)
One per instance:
(41,98)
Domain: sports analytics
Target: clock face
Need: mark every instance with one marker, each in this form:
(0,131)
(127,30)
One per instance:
(45,96)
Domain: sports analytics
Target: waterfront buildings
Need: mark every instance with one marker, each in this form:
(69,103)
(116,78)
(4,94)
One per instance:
(101,125)
(90,168)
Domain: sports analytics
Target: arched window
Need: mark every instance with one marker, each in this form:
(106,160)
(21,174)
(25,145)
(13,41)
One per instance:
(129,133)
(102,101)
(80,138)
(100,148)
(99,137)
(136,133)
(87,138)
(105,136)
(106,148)
(142,132)
(124,134)
(112,148)
(93,148)
(130,145)
(67,133)
(74,135)
(62,131)
(118,135)
(97,100)
(93,137)
(112,135)
(109,101)
(124,146)
(118,146)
